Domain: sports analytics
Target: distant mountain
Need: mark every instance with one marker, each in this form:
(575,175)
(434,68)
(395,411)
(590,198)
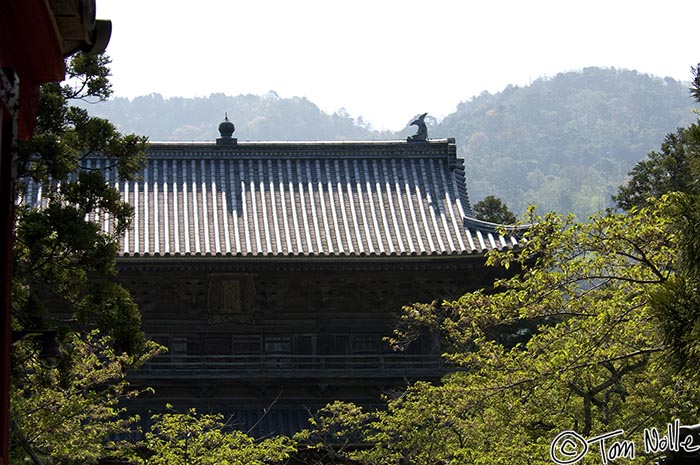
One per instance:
(564,143)
(266,117)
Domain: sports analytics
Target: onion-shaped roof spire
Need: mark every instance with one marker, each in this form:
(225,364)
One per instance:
(226,129)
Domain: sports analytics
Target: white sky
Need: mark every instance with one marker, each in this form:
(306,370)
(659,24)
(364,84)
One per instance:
(387,60)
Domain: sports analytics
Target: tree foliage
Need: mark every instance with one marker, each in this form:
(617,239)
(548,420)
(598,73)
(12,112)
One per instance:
(666,171)
(69,414)
(677,303)
(62,258)
(596,361)
(203,439)
(676,169)
(493,209)
(63,267)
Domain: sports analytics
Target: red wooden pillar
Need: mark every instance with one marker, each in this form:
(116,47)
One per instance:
(35,38)
(30,55)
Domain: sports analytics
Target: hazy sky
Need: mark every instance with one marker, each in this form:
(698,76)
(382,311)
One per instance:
(387,60)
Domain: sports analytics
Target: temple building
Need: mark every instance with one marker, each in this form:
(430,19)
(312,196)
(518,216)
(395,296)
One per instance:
(273,271)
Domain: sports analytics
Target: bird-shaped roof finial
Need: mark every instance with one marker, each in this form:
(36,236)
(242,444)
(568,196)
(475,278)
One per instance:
(422,134)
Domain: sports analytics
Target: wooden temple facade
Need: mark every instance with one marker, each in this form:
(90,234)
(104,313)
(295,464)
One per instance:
(273,271)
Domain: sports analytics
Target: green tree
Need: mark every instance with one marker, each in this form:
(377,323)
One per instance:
(202,439)
(62,255)
(596,361)
(494,210)
(64,261)
(677,303)
(662,172)
(676,169)
(69,414)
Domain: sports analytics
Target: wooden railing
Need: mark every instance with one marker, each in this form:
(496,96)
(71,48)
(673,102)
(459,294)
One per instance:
(290,365)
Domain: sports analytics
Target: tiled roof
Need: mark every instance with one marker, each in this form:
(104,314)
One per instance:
(304,199)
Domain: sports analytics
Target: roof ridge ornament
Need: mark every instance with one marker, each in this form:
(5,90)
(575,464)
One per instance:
(422,134)
(226,129)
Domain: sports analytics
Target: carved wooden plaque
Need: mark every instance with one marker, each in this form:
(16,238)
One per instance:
(231,297)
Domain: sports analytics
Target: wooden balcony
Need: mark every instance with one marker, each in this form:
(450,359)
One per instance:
(292,366)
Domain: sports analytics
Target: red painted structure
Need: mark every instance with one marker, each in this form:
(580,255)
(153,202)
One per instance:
(35,38)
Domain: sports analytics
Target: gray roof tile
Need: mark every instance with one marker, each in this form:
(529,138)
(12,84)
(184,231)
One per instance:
(303,199)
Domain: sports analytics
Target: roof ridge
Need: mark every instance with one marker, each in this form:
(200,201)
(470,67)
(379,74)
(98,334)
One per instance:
(312,142)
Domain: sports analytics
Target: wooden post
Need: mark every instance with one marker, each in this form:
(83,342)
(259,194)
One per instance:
(9,114)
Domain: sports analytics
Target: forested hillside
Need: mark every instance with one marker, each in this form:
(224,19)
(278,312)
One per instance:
(567,142)
(564,143)
(265,117)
